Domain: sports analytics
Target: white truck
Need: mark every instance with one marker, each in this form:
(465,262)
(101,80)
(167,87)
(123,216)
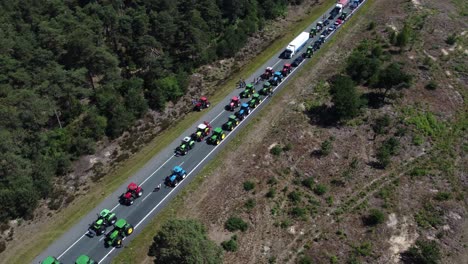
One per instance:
(296,45)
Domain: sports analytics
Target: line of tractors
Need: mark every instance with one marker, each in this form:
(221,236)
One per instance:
(107,219)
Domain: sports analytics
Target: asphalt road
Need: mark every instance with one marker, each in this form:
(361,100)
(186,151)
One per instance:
(75,242)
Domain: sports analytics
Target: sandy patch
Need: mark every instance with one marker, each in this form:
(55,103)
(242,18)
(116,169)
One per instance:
(402,241)
(445,52)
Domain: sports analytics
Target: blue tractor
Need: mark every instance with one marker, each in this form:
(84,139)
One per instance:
(243,112)
(178,174)
(277,78)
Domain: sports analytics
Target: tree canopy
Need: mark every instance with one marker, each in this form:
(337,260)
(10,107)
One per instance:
(72,72)
(184,241)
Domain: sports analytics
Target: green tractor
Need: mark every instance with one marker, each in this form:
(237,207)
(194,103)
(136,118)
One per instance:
(310,51)
(83,259)
(105,218)
(121,229)
(217,136)
(267,89)
(343,16)
(187,144)
(249,90)
(313,32)
(255,101)
(50,260)
(231,123)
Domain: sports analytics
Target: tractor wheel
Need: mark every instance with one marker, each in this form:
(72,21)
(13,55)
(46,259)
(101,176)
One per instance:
(129,230)
(140,193)
(184,175)
(130,201)
(112,220)
(223,136)
(118,242)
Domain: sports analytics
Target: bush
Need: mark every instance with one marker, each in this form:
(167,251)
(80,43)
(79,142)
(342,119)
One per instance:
(276,150)
(236,223)
(231,244)
(404,37)
(294,196)
(326,147)
(305,260)
(381,124)
(389,148)
(432,85)
(451,40)
(345,97)
(248,186)
(250,204)
(374,218)
(423,252)
(271,193)
(287,147)
(298,212)
(443,196)
(320,189)
(371,26)
(365,249)
(309,182)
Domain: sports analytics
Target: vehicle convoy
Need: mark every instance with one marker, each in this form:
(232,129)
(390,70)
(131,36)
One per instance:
(243,112)
(231,123)
(235,102)
(248,91)
(83,259)
(295,45)
(50,260)
(202,104)
(133,191)
(287,68)
(266,89)
(203,130)
(338,8)
(177,175)
(267,74)
(121,229)
(277,78)
(105,219)
(187,144)
(217,136)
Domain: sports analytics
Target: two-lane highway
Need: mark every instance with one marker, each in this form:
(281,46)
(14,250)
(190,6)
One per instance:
(75,242)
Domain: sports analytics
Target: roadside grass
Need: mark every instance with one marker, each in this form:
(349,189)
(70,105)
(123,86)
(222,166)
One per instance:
(69,216)
(139,246)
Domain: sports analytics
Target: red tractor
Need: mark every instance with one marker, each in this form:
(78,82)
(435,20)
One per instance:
(203,130)
(133,191)
(235,102)
(287,68)
(267,74)
(202,104)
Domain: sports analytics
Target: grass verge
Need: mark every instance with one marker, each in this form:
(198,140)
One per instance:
(69,216)
(139,246)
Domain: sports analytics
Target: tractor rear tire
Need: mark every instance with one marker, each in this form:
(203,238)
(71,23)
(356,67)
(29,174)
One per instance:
(223,136)
(140,193)
(184,175)
(118,242)
(130,201)
(129,230)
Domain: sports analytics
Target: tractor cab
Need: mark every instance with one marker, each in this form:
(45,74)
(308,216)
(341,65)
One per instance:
(287,68)
(319,25)
(277,78)
(177,175)
(218,135)
(343,16)
(133,191)
(178,171)
(255,101)
(202,103)
(249,90)
(266,88)
(202,131)
(235,102)
(313,32)
(187,144)
(243,112)
(50,260)
(83,259)
(322,38)
(231,123)
(267,74)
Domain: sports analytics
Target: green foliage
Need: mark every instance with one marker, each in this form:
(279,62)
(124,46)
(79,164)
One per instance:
(249,185)
(363,65)
(184,241)
(375,217)
(452,39)
(231,244)
(429,216)
(432,85)
(364,249)
(334,260)
(236,223)
(320,189)
(392,77)
(295,196)
(309,182)
(326,147)
(271,193)
(345,97)
(442,196)
(424,252)
(425,122)
(371,25)
(250,204)
(389,148)
(404,36)
(305,260)
(381,124)
(276,150)
(298,212)
(418,172)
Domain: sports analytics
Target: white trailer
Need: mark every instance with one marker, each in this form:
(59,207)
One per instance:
(296,45)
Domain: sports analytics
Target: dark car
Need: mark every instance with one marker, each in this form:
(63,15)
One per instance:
(325,23)
(297,61)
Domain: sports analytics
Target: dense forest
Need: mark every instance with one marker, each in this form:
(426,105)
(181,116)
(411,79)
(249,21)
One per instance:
(75,71)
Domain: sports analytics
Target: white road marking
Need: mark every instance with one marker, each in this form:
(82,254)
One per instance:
(351,13)
(276,63)
(146,197)
(61,255)
(117,205)
(181,163)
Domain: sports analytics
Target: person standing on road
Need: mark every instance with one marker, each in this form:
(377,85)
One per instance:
(158,187)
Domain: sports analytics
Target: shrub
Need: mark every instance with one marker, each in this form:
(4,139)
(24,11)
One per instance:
(432,85)
(248,185)
(365,249)
(287,147)
(424,252)
(305,260)
(404,36)
(272,181)
(236,223)
(294,196)
(231,244)
(271,193)
(326,147)
(309,182)
(285,223)
(451,39)
(345,97)
(333,259)
(443,196)
(298,212)
(371,26)
(320,189)
(375,217)
(388,148)
(429,216)
(418,172)
(381,124)
(276,150)
(250,204)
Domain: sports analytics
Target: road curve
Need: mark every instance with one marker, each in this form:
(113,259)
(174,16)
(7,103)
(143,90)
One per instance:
(75,242)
